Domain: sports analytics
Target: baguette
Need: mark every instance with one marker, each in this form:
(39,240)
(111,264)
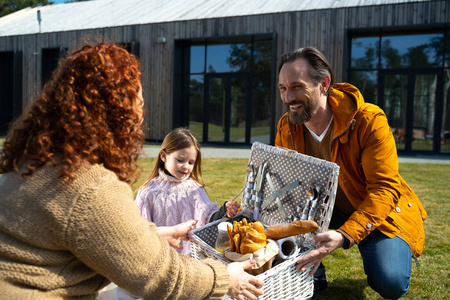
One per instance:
(277,232)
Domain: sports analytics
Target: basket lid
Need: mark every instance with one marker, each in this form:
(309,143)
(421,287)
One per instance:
(280,184)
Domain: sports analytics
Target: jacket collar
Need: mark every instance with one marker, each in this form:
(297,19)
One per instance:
(345,100)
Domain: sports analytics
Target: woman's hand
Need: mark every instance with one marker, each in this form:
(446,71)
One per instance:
(328,242)
(243,284)
(232,208)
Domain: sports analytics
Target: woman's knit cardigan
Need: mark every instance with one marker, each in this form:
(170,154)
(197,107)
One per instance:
(63,241)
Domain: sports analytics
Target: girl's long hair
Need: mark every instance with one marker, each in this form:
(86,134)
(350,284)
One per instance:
(85,113)
(177,139)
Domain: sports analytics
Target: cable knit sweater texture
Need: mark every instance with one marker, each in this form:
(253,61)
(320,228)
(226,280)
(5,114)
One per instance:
(60,241)
(168,201)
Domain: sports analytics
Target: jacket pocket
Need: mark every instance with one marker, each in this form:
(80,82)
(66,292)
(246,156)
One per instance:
(408,216)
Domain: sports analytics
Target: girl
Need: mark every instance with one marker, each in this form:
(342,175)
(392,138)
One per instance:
(174,192)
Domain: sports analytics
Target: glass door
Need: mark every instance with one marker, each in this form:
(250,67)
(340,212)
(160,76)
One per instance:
(424,104)
(395,106)
(226,98)
(409,101)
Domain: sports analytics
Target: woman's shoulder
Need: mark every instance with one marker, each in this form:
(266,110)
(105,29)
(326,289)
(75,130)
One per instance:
(96,174)
(97,181)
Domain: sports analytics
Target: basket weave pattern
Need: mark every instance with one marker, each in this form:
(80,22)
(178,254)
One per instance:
(282,281)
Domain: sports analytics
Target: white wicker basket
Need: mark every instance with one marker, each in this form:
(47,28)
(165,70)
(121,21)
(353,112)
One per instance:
(282,281)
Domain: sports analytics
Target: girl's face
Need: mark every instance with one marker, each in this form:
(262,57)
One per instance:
(180,163)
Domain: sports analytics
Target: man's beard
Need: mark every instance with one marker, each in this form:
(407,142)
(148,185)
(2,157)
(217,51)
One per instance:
(300,118)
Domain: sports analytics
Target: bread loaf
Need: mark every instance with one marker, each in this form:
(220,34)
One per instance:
(276,232)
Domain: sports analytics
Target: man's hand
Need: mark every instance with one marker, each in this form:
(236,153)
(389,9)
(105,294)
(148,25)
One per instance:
(243,284)
(328,242)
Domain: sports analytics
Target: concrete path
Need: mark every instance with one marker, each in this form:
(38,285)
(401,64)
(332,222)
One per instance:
(244,153)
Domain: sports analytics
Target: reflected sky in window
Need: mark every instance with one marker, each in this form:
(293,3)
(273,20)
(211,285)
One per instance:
(364,52)
(411,50)
(218,58)
(197,59)
(399,51)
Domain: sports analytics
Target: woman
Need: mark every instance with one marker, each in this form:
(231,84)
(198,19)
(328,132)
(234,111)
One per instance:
(68,223)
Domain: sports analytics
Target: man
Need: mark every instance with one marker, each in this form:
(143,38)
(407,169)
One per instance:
(375,208)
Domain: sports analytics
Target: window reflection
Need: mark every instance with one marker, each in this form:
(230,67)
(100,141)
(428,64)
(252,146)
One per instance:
(196,89)
(238,109)
(395,97)
(221,90)
(262,56)
(217,109)
(445,131)
(447,50)
(364,52)
(401,74)
(227,58)
(411,51)
(424,109)
(367,84)
(400,51)
(260,130)
(197,59)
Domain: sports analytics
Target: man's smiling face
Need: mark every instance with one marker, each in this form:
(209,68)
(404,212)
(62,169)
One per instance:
(298,91)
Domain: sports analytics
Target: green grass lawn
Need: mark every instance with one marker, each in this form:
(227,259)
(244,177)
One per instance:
(225,179)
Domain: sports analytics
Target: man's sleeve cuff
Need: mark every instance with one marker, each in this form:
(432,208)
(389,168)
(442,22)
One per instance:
(348,240)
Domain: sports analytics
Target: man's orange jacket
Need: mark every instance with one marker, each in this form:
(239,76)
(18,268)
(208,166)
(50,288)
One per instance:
(364,148)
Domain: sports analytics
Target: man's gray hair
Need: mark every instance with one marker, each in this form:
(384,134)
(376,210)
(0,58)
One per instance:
(319,66)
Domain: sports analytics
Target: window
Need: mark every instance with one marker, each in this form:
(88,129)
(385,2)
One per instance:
(227,95)
(402,74)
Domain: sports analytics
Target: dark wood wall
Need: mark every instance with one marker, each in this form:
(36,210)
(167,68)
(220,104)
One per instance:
(323,29)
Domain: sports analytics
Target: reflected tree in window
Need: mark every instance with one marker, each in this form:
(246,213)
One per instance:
(369,60)
(240,56)
(196,106)
(437,46)
(391,56)
(261,67)
(366,82)
(416,57)
(237,77)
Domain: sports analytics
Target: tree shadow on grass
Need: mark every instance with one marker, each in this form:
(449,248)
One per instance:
(345,289)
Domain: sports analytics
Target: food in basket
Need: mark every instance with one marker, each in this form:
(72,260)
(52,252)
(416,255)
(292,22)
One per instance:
(246,237)
(290,229)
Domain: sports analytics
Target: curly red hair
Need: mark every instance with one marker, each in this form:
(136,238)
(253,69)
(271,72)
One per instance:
(86,113)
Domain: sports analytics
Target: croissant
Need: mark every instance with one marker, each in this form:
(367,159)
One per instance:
(254,238)
(246,237)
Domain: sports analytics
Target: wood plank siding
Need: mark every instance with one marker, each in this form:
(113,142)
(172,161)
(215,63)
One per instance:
(324,29)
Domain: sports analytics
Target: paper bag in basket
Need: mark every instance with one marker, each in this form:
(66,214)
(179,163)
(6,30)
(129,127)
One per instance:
(264,257)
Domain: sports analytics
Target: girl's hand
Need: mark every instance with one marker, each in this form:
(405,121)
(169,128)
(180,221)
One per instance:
(181,230)
(232,208)
(243,284)
(175,234)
